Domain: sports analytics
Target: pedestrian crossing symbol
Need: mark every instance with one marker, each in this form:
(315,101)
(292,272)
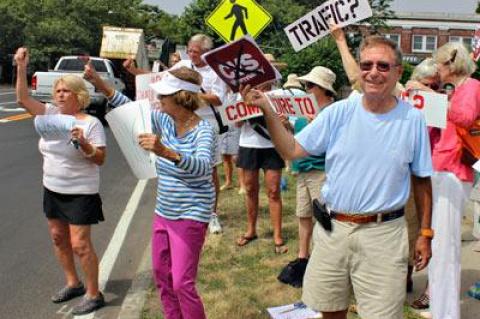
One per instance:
(233,19)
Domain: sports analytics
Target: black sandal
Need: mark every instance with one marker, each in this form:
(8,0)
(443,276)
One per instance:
(245,240)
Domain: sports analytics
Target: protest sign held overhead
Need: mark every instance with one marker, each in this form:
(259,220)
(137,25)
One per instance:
(315,25)
(300,106)
(233,19)
(124,43)
(433,105)
(142,86)
(241,62)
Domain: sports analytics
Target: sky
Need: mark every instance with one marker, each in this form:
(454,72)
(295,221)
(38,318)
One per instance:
(450,6)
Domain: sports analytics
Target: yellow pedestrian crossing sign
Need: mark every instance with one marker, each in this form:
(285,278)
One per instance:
(233,19)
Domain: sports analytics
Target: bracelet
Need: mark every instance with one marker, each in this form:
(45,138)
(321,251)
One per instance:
(92,153)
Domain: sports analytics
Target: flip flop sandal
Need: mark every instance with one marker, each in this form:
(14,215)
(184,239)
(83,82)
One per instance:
(245,240)
(423,302)
(281,249)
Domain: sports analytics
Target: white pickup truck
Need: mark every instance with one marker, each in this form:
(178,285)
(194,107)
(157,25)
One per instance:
(42,82)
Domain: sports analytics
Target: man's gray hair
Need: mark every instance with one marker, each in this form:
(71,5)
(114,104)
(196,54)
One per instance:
(204,40)
(426,69)
(378,40)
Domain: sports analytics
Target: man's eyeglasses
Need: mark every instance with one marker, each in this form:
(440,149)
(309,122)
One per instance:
(380,65)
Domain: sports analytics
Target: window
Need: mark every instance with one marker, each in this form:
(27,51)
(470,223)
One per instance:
(394,37)
(424,43)
(467,41)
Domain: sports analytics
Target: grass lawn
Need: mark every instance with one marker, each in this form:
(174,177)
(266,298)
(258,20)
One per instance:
(240,282)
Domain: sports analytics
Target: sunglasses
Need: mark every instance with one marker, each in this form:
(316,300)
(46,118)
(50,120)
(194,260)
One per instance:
(380,65)
(309,85)
(453,56)
(433,86)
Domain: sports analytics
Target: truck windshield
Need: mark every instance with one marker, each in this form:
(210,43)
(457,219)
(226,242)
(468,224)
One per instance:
(78,65)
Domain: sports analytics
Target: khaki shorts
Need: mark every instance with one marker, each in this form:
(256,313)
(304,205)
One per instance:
(371,259)
(309,185)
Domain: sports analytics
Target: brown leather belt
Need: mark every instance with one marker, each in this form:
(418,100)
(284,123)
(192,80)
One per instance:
(364,219)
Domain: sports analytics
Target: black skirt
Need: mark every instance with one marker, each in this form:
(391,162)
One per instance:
(76,209)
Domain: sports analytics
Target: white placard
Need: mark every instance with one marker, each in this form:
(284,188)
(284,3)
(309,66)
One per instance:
(299,106)
(55,126)
(126,123)
(433,105)
(314,25)
(293,311)
(142,86)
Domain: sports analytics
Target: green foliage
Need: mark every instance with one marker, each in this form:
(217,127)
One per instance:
(407,72)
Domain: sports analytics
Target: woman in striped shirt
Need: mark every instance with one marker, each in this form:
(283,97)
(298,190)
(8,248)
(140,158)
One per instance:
(184,145)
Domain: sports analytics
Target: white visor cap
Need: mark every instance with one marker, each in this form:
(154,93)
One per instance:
(169,84)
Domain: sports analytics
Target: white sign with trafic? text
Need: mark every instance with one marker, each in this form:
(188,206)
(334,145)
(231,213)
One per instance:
(314,25)
(433,105)
(300,106)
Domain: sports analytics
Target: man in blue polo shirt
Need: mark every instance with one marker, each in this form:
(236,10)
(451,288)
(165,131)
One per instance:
(373,144)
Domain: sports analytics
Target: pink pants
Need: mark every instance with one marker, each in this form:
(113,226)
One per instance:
(176,247)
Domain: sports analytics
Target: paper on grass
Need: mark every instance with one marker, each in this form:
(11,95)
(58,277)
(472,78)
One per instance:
(126,123)
(292,312)
(55,126)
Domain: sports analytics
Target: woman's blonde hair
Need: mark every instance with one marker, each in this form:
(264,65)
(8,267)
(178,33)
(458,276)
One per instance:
(456,56)
(187,99)
(426,69)
(75,84)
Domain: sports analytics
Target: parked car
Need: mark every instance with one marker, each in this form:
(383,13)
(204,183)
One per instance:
(42,82)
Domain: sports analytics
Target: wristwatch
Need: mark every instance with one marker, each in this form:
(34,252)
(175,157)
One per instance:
(427,232)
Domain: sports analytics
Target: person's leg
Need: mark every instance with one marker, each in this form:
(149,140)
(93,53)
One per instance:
(272,184)
(305,228)
(251,201)
(186,241)
(82,247)
(241,181)
(162,269)
(335,315)
(228,169)
(60,235)
(444,268)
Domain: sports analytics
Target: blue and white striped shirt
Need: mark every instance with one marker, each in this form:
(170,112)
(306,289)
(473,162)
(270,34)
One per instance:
(184,190)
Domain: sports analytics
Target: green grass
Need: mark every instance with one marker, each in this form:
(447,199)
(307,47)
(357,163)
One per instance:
(240,282)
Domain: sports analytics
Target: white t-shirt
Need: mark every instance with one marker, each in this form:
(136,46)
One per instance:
(211,83)
(250,138)
(65,168)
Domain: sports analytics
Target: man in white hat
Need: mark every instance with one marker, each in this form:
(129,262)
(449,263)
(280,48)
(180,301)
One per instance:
(374,144)
(311,172)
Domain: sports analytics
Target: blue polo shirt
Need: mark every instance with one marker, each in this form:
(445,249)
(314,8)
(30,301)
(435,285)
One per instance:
(369,157)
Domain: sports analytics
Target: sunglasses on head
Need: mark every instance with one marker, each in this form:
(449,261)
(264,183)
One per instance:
(453,56)
(381,66)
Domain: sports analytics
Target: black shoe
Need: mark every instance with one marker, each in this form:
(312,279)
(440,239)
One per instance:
(88,305)
(67,293)
(292,274)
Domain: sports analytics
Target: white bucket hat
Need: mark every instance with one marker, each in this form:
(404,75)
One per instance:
(321,76)
(170,84)
(293,82)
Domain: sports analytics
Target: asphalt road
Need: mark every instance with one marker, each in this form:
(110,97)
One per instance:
(29,272)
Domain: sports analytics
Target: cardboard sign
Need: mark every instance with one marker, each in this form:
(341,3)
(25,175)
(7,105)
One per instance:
(241,62)
(234,19)
(314,25)
(124,43)
(300,106)
(127,122)
(142,86)
(433,105)
(476,45)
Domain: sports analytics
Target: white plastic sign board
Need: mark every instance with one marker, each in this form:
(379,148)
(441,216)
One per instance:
(433,105)
(142,86)
(315,25)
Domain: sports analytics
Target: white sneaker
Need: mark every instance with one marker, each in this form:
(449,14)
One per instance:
(214,226)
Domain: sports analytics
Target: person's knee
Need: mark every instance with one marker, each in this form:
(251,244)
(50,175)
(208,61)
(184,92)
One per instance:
(273,193)
(59,239)
(183,287)
(82,247)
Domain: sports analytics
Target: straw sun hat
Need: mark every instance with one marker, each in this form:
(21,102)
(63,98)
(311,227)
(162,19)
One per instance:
(321,76)
(293,82)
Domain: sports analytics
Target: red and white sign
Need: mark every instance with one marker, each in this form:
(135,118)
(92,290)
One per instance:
(241,62)
(142,86)
(433,105)
(476,45)
(300,106)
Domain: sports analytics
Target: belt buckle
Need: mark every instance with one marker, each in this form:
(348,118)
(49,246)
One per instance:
(379,218)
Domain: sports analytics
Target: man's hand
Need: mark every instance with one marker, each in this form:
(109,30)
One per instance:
(90,74)
(254,97)
(21,57)
(337,32)
(423,252)
(128,63)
